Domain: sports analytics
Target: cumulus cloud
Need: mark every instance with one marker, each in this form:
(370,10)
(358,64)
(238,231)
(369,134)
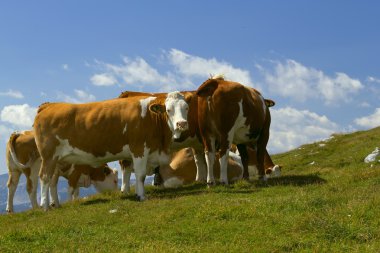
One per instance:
(369,121)
(195,66)
(80,96)
(19,115)
(183,70)
(291,128)
(294,80)
(12,93)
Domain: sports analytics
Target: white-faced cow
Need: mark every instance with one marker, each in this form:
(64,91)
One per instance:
(229,112)
(23,158)
(137,128)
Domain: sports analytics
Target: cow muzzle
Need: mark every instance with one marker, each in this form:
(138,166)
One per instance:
(182,125)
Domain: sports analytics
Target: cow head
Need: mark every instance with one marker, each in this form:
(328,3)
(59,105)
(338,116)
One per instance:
(176,107)
(110,182)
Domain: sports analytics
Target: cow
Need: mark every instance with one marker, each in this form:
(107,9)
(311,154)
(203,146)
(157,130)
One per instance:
(191,138)
(136,128)
(229,112)
(22,157)
(182,168)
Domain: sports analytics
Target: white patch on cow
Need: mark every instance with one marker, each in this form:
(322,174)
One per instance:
(240,130)
(223,168)
(176,109)
(67,153)
(173,182)
(45,195)
(125,129)
(144,105)
(110,182)
(276,171)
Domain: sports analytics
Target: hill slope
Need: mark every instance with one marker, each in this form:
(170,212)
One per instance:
(326,201)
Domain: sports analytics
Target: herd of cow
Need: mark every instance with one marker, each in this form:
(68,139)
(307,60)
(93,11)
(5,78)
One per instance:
(177,135)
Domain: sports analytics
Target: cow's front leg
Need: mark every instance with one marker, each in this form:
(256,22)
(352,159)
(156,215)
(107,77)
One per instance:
(126,169)
(139,166)
(200,163)
(210,159)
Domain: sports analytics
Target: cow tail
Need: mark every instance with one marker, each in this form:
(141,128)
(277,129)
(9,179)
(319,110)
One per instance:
(11,144)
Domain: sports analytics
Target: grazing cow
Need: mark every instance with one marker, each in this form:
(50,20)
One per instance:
(189,138)
(229,112)
(23,158)
(136,128)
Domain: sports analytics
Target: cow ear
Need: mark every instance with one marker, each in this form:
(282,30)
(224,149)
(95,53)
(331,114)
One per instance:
(157,108)
(269,102)
(207,88)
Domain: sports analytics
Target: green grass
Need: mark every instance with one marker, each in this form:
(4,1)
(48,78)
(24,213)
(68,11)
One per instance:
(332,205)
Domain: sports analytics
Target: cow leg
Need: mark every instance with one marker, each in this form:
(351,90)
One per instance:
(200,163)
(242,148)
(139,166)
(34,184)
(261,149)
(54,190)
(210,159)
(270,168)
(14,177)
(223,157)
(125,176)
(46,173)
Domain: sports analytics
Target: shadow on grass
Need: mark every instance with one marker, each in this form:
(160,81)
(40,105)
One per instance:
(242,187)
(297,180)
(94,201)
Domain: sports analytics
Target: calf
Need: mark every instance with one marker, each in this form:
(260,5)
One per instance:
(136,128)
(23,158)
(229,112)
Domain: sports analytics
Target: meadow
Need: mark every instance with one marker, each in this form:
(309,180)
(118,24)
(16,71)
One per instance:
(327,200)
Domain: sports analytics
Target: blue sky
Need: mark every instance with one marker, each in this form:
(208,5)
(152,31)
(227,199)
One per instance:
(319,60)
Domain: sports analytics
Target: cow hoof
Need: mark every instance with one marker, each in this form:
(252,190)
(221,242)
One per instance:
(210,184)
(9,211)
(139,198)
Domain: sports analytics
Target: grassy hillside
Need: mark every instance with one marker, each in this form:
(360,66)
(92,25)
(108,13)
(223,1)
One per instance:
(327,200)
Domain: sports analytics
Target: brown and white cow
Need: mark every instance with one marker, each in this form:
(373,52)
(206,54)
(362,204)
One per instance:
(229,112)
(136,128)
(192,138)
(23,158)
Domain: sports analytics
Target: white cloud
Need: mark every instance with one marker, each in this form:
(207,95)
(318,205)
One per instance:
(294,80)
(103,80)
(19,115)
(370,121)
(12,93)
(291,128)
(195,66)
(372,79)
(80,97)
(183,70)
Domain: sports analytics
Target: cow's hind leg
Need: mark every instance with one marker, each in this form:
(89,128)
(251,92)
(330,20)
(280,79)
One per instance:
(34,184)
(46,174)
(242,148)
(14,177)
(210,159)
